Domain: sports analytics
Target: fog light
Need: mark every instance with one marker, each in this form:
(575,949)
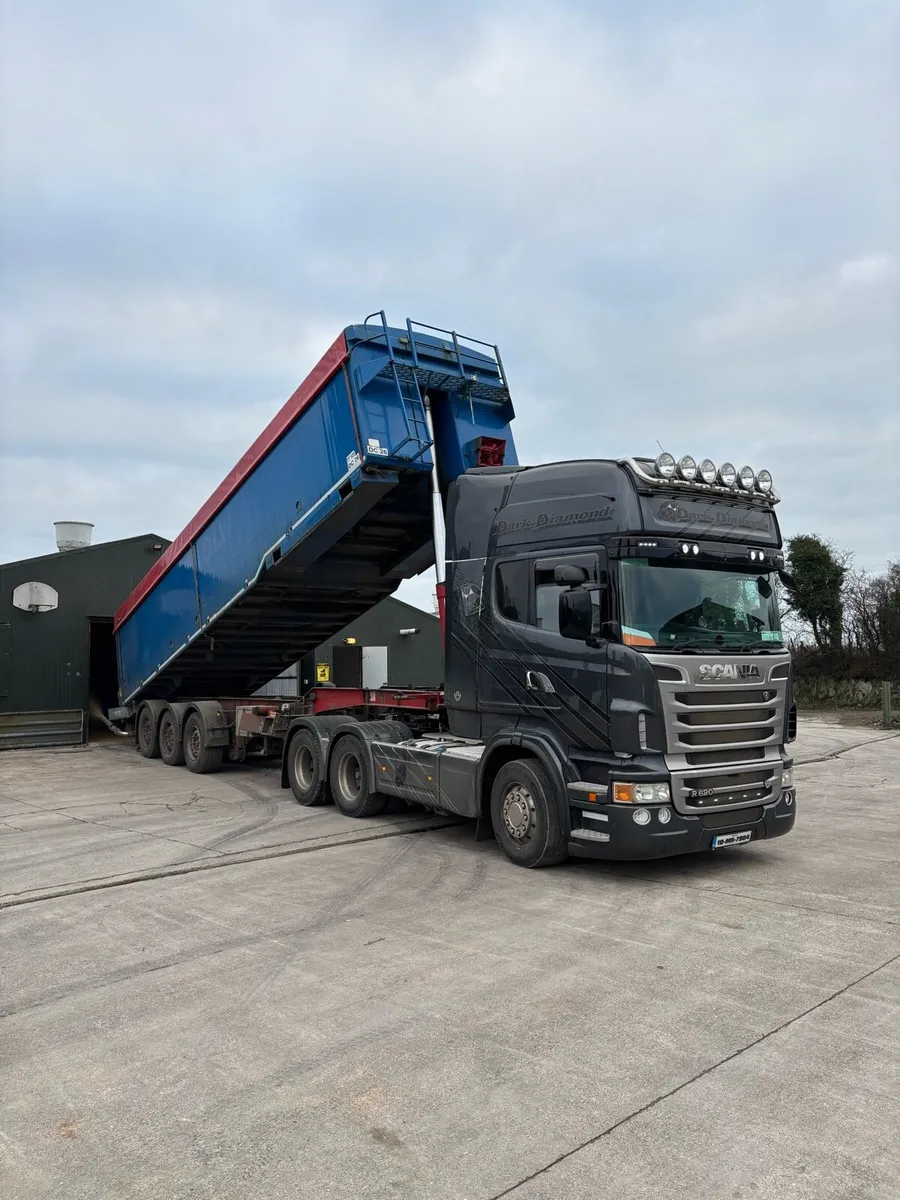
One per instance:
(641,816)
(664,816)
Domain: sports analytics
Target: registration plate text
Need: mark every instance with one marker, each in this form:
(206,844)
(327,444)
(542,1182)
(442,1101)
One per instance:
(731,839)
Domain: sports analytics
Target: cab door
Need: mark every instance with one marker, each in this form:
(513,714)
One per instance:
(527,670)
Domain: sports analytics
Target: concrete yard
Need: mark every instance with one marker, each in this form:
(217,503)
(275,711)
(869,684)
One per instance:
(207,991)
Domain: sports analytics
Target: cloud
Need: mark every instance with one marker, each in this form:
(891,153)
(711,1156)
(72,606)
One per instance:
(678,221)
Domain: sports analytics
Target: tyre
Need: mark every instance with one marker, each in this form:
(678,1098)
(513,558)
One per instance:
(351,786)
(200,758)
(305,770)
(147,733)
(171,747)
(525,815)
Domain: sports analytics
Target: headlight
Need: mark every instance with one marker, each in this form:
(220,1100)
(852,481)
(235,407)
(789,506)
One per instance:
(747,477)
(665,466)
(652,793)
(687,469)
(764,481)
(787,777)
(641,793)
(727,474)
(708,471)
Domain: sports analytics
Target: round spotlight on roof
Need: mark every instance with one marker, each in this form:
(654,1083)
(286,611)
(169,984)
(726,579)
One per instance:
(687,469)
(747,478)
(764,481)
(665,466)
(727,474)
(708,471)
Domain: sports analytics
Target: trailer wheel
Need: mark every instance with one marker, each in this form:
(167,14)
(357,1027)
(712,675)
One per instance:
(306,773)
(200,758)
(351,785)
(147,733)
(524,816)
(171,746)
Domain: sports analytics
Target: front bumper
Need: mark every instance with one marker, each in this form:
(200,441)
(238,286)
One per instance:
(682,835)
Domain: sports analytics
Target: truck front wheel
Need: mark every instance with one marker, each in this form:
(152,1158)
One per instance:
(306,774)
(351,786)
(200,758)
(525,817)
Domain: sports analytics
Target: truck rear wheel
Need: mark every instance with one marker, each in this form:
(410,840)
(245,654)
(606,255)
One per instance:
(351,785)
(200,758)
(306,772)
(171,747)
(525,816)
(147,733)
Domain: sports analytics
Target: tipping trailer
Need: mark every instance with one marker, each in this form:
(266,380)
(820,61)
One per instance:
(616,682)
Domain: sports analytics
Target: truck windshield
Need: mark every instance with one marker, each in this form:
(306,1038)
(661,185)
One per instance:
(670,604)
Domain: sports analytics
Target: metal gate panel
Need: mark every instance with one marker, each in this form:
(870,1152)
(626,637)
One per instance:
(35,730)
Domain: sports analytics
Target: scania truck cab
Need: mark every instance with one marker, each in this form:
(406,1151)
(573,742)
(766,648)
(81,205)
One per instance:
(619,621)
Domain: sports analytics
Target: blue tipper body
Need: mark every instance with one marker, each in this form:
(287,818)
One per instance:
(321,519)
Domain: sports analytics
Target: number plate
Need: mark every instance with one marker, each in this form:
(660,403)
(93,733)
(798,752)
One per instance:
(731,839)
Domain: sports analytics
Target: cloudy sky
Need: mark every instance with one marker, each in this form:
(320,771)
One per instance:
(680,221)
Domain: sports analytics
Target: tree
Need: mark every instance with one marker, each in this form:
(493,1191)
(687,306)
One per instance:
(872,604)
(816,592)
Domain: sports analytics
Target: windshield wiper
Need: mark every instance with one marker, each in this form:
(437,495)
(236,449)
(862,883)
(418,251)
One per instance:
(693,644)
(757,648)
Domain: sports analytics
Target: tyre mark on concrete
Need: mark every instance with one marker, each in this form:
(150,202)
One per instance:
(239,858)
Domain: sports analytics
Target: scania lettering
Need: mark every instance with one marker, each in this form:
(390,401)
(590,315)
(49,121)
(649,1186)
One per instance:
(616,684)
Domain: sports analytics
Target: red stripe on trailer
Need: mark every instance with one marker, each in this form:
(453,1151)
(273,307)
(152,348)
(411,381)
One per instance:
(330,362)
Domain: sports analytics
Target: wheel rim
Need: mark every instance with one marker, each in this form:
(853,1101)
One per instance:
(167,737)
(350,777)
(192,745)
(519,813)
(304,771)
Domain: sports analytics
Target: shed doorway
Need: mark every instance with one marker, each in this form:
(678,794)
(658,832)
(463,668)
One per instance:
(103,676)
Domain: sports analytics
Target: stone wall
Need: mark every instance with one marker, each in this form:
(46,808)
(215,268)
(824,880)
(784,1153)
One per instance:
(827,692)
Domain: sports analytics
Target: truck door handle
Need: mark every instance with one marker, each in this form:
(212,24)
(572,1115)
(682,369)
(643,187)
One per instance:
(537,681)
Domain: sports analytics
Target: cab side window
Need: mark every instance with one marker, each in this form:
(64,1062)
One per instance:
(511,590)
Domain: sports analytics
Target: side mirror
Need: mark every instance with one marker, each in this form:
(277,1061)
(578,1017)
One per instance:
(576,614)
(568,575)
(787,579)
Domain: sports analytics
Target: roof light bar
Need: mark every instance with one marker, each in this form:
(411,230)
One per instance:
(685,470)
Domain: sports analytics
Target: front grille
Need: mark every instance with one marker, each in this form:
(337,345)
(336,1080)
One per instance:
(719,758)
(725,699)
(723,734)
(713,718)
(718,820)
(727,737)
